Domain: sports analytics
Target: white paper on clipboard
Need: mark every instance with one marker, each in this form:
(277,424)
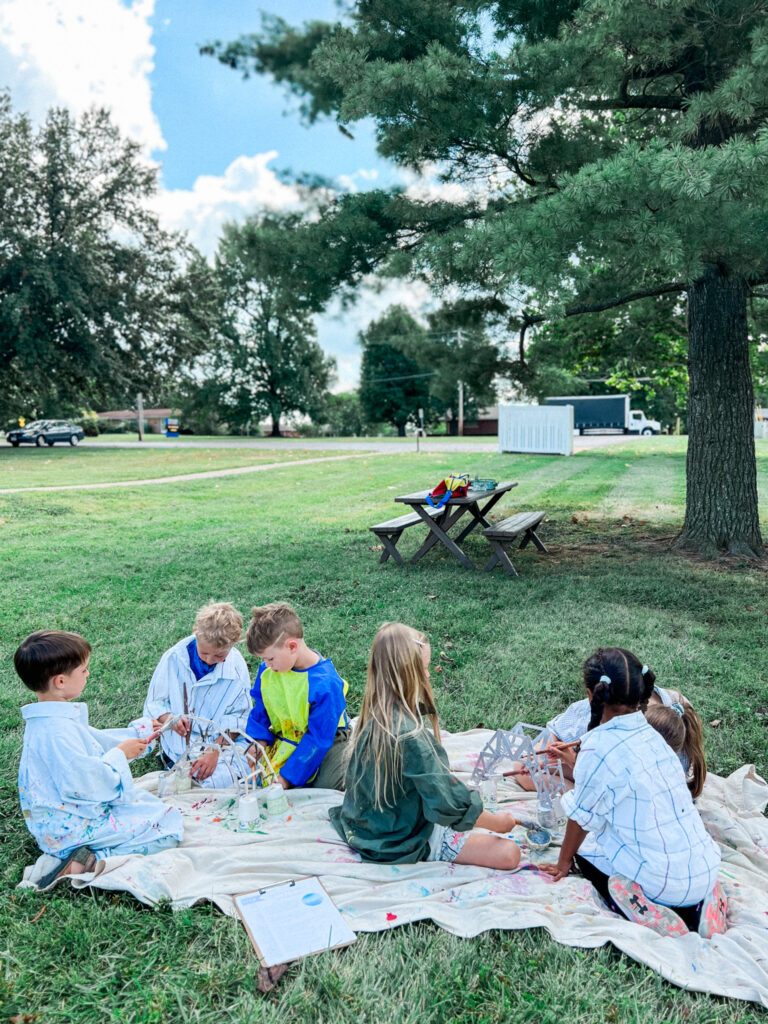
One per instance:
(292,919)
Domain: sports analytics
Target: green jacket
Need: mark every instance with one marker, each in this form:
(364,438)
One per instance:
(428,794)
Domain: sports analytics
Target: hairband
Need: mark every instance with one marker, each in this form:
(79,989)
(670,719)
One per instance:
(645,670)
(605,679)
(678,709)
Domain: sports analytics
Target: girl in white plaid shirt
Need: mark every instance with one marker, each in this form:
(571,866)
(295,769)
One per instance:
(633,830)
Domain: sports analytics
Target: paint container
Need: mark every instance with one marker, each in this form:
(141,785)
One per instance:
(166,784)
(183,773)
(489,790)
(249,810)
(538,839)
(278,807)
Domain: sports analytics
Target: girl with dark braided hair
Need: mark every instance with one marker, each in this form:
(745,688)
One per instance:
(633,830)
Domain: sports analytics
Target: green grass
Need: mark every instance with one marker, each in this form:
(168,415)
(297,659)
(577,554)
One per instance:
(48,467)
(129,568)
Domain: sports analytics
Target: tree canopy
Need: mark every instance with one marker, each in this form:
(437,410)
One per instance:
(609,150)
(96,301)
(268,361)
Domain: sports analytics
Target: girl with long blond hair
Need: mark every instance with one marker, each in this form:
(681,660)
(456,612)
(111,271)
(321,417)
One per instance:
(402,802)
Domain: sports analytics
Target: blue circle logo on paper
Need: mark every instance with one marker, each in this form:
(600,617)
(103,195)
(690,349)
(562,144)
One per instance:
(312,899)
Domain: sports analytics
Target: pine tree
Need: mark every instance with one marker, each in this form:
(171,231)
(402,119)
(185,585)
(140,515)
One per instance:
(610,150)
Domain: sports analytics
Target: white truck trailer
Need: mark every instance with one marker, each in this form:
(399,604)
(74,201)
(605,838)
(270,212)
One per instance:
(606,412)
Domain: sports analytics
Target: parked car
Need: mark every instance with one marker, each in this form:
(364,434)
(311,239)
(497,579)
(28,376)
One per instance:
(45,432)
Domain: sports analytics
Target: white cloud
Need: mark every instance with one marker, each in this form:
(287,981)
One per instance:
(78,54)
(247,185)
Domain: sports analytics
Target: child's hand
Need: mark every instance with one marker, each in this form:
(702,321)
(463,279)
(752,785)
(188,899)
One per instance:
(559,870)
(133,748)
(566,753)
(503,822)
(182,727)
(205,765)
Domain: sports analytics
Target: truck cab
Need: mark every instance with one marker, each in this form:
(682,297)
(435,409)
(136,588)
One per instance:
(638,424)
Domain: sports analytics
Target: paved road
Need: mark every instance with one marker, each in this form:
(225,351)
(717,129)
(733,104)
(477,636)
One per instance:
(359,444)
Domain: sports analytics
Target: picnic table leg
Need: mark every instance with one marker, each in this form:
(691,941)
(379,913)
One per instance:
(444,521)
(478,516)
(500,555)
(390,547)
(441,535)
(530,535)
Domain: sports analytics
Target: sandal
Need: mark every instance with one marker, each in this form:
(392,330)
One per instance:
(79,862)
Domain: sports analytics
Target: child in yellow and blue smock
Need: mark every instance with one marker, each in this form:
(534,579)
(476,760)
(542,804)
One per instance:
(299,707)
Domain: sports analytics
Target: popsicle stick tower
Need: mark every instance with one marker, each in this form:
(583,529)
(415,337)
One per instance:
(524,744)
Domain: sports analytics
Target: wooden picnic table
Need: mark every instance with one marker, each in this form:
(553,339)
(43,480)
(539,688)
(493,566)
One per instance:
(477,503)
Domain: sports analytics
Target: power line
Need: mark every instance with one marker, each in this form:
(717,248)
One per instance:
(406,376)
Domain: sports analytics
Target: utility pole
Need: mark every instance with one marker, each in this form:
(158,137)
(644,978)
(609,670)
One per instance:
(140,413)
(461,396)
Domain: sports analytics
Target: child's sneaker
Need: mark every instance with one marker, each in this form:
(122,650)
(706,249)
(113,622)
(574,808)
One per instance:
(713,913)
(637,907)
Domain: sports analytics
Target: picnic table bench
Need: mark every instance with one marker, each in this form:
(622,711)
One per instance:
(390,532)
(502,534)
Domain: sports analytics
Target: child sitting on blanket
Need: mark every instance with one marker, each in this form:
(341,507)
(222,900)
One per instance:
(299,706)
(75,787)
(204,676)
(567,728)
(632,827)
(402,803)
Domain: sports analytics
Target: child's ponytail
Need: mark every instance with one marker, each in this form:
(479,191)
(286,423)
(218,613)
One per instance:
(694,750)
(682,729)
(615,676)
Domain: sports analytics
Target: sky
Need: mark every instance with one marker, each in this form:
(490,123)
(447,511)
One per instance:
(218,139)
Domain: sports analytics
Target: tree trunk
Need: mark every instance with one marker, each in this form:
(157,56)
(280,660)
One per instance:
(275,424)
(401,430)
(721,512)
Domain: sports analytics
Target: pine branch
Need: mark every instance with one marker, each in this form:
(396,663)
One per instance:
(598,307)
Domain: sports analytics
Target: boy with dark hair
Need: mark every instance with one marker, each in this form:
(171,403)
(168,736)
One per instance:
(299,710)
(76,791)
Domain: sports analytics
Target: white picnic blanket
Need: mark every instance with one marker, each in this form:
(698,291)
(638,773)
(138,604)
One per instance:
(215,861)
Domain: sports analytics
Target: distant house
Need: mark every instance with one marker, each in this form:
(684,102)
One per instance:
(486,424)
(153,418)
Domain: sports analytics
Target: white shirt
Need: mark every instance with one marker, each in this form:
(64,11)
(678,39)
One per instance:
(76,788)
(630,793)
(223,695)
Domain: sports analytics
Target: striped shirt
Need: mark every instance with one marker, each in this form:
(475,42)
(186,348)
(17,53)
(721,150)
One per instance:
(630,794)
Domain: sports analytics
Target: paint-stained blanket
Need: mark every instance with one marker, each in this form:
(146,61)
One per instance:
(216,861)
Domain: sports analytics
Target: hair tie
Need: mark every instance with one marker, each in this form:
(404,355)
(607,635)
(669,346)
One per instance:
(645,670)
(605,679)
(678,709)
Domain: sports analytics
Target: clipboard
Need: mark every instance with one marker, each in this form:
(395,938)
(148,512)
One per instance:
(289,920)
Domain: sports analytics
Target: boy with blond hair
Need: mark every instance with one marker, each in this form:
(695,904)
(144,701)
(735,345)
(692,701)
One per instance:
(299,707)
(203,675)
(75,787)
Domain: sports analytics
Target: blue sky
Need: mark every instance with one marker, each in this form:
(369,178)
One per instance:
(218,140)
(210,115)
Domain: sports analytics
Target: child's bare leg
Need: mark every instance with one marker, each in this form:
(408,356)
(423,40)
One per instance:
(525,782)
(489,852)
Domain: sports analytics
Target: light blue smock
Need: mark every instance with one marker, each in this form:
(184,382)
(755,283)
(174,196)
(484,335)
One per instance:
(76,787)
(222,695)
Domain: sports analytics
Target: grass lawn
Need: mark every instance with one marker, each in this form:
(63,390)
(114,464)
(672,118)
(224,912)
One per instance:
(128,569)
(48,467)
